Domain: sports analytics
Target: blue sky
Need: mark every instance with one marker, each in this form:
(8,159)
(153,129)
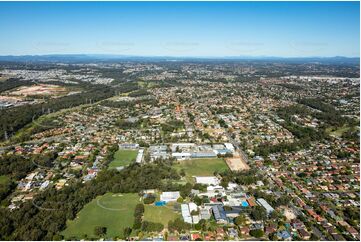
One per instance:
(285,29)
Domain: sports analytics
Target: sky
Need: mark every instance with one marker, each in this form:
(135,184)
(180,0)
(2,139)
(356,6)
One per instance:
(283,29)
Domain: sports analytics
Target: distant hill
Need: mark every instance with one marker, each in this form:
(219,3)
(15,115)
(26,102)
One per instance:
(72,58)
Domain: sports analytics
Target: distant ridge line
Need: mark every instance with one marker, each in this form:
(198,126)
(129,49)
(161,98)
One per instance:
(108,57)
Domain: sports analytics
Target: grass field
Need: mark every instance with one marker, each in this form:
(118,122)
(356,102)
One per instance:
(3,179)
(338,131)
(123,158)
(201,167)
(113,211)
(160,214)
(145,84)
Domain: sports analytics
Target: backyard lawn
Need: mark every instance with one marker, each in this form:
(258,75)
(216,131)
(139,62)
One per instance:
(113,211)
(123,158)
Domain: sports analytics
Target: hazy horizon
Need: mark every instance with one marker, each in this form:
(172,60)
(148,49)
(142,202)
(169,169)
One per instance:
(181,29)
(175,56)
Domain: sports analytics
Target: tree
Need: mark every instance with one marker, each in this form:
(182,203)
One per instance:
(198,226)
(182,172)
(137,223)
(259,213)
(222,123)
(205,199)
(138,213)
(139,210)
(127,231)
(57,237)
(194,212)
(273,237)
(178,225)
(100,231)
(186,190)
(282,201)
(197,200)
(203,224)
(240,220)
(314,237)
(274,215)
(224,182)
(152,227)
(149,199)
(258,233)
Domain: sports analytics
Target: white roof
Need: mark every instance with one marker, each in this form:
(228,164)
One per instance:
(265,204)
(169,195)
(218,146)
(184,208)
(195,219)
(44,185)
(232,186)
(186,213)
(229,146)
(183,144)
(139,156)
(213,188)
(180,154)
(193,207)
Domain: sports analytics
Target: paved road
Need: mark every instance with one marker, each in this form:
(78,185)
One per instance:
(237,145)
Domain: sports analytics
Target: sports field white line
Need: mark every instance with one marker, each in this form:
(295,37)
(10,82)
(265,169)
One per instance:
(110,209)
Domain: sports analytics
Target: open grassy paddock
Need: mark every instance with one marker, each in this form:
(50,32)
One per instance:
(160,214)
(201,167)
(338,132)
(123,158)
(113,211)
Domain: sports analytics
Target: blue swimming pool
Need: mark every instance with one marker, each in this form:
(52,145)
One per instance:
(160,203)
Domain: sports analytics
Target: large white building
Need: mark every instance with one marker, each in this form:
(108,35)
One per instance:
(265,204)
(181,155)
(182,146)
(229,147)
(129,146)
(193,207)
(169,196)
(186,214)
(139,156)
